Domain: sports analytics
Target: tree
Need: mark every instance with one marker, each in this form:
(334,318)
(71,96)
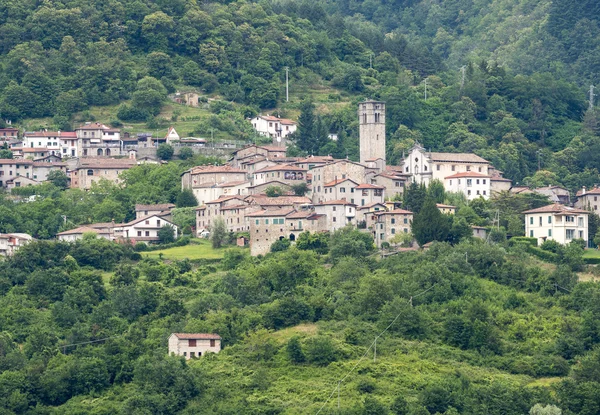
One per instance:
(300,189)
(430,224)
(436,190)
(372,406)
(414,196)
(165,151)
(218,233)
(306,127)
(185,153)
(539,409)
(149,95)
(166,234)
(294,350)
(280,245)
(274,191)
(320,351)
(59,179)
(6,153)
(399,406)
(186,198)
(349,241)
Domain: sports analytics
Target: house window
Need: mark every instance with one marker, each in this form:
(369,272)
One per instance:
(570,234)
(453,168)
(580,222)
(477,181)
(334,219)
(581,234)
(405,221)
(342,190)
(549,232)
(393,221)
(192,354)
(147,233)
(531,233)
(595,198)
(479,169)
(212,342)
(192,342)
(469,182)
(468,192)
(257,221)
(90,172)
(468,168)
(267,221)
(334,208)
(147,222)
(184,354)
(139,233)
(531,220)
(549,219)
(484,192)
(437,167)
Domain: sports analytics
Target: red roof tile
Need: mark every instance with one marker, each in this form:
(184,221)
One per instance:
(556,208)
(467,174)
(197,336)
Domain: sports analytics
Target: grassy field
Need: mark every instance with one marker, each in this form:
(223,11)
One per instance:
(591,253)
(199,249)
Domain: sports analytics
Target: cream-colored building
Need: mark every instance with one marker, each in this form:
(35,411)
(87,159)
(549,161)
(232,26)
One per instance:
(391,223)
(472,184)
(73,235)
(556,222)
(248,153)
(162,209)
(425,166)
(366,194)
(341,189)
(339,213)
(192,345)
(96,139)
(276,128)
(285,173)
(207,192)
(208,177)
(11,242)
(90,170)
(231,209)
(446,209)
(394,183)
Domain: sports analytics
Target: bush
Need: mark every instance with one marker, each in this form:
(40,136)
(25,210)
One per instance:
(320,351)
(518,239)
(551,246)
(141,247)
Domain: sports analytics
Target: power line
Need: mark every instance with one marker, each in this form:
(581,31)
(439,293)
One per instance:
(64,347)
(373,344)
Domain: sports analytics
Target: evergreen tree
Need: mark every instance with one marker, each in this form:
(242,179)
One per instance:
(218,233)
(306,126)
(430,224)
(414,196)
(186,198)
(436,190)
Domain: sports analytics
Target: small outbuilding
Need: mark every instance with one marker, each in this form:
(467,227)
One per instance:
(191,345)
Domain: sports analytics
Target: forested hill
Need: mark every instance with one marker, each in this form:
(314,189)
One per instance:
(521,104)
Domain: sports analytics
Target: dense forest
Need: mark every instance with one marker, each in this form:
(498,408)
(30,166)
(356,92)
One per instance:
(472,328)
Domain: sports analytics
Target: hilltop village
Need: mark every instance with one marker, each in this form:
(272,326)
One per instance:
(266,196)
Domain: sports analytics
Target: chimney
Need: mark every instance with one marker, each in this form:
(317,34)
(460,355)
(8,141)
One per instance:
(583,191)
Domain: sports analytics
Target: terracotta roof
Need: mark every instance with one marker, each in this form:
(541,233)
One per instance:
(15,161)
(272,182)
(224,198)
(440,205)
(273,148)
(48,164)
(232,184)
(556,208)
(338,181)
(391,175)
(280,201)
(268,117)
(83,229)
(197,336)
(457,157)
(96,126)
(160,207)
(336,202)
(395,212)
(316,159)
(369,186)
(215,169)
(301,214)
(594,191)
(105,163)
(135,221)
(499,179)
(271,212)
(61,134)
(234,207)
(467,174)
(280,167)
(370,205)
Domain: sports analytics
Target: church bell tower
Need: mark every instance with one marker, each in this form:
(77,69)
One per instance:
(371,121)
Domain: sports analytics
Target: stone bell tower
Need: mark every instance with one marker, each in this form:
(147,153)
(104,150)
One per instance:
(371,120)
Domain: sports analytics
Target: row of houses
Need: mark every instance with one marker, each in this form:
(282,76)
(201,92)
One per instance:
(88,140)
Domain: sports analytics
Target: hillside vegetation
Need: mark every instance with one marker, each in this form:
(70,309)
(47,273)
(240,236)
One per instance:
(471,329)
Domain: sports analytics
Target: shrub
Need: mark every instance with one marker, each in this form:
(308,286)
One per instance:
(320,351)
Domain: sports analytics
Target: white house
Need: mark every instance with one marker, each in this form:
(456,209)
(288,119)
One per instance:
(339,213)
(172,135)
(191,345)
(472,184)
(11,242)
(144,229)
(556,222)
(274,127)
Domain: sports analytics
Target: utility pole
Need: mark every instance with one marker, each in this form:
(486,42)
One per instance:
(592,95)
(425,89)
(375,351)
(338,388)
(287,84)
(463,70)
(370,61)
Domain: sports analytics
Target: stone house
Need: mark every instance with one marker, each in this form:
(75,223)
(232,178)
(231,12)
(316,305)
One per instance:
(499,184)
(390,223)
(588,199)
(254,151)
(266,227)
(366,214)
(192,345)
(253,164)
(232,209)
(311,162)
(336,170)
(339,213)
(90,170)
(265,202)
(201,176)
(207,192)
(285,173)
(341,189)
(9,133)
(472,184)
(556,222)
(367,194)
(96,139)
(163,209)
(393,182)
(73,235)
(261,188)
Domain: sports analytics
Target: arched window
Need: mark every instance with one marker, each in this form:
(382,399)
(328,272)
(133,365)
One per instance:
(108,151)
(99,151)
(90,172)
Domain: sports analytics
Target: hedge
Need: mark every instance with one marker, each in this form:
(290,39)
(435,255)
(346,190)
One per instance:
(521,239)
